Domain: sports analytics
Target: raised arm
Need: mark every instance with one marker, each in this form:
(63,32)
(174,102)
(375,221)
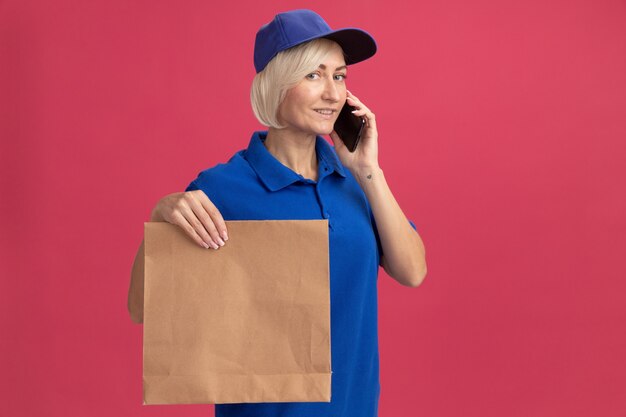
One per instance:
(404,257)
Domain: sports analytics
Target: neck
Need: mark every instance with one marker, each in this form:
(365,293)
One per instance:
(294,150)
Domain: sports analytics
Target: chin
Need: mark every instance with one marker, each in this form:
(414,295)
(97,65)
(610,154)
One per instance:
(327,130)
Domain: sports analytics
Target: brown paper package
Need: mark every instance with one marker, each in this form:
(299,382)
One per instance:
(247,323)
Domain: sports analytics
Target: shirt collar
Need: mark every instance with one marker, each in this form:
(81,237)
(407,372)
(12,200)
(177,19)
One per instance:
(275,175)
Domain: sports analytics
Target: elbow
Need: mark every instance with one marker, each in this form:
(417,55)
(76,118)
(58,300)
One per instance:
(136,314)
(136,318)
(418,269)
(412,277)
(415,280)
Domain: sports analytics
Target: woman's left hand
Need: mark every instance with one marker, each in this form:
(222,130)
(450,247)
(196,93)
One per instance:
(366,154)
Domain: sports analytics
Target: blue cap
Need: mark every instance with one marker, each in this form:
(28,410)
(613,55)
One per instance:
(294,27)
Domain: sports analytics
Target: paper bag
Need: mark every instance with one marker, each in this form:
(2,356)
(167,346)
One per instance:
(249,322)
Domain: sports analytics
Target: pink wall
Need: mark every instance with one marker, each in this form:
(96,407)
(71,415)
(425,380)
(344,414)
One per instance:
(502,134)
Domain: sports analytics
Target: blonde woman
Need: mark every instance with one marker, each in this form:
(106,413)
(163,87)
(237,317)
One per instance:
(290,172)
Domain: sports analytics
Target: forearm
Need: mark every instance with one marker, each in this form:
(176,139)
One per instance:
(403,249)
(135,292)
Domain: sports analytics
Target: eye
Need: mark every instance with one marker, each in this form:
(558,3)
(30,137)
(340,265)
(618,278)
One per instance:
(342,77)
(312,76)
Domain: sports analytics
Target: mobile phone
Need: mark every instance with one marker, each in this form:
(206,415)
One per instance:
(349,127)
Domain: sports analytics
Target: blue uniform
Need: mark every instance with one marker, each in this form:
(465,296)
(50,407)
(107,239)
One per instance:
(254,185)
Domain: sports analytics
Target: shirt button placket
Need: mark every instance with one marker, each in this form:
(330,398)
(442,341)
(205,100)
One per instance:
(325,213)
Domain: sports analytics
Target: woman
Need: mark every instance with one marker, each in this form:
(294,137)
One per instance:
(291,172)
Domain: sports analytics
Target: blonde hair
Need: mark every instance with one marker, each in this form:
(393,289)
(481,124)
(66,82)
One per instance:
(283,72)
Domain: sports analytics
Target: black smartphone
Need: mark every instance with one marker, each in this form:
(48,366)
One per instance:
(349,127)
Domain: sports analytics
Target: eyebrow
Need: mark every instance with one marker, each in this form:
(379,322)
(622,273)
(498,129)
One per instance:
(322,66)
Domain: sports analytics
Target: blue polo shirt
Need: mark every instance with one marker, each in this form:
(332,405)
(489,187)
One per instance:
(254,185)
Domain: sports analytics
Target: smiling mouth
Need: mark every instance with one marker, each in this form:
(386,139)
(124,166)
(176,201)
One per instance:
(325,112)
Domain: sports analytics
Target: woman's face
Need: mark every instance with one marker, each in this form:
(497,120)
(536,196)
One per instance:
(313,105)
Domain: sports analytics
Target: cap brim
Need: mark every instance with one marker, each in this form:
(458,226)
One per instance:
(357,44)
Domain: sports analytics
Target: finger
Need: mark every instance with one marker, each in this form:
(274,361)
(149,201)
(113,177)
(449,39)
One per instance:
(360,112)
(360,109)
(200,221)
(180,220)
(366,113)
(201,218)
(198,227)
(354,102)
(371,121)
(358,105)
(215,214)
(370,118)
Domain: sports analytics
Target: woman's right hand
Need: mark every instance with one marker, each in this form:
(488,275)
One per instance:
(195,214)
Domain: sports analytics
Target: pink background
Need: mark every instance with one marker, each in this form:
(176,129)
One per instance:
(502,135)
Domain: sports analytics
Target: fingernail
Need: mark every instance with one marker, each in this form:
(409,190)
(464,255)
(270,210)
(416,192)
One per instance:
(220,241)
(225,235)
(214,245)
(204,245)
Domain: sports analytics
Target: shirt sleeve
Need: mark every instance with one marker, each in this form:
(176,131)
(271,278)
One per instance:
(206,180)
(193,186)
(203,181)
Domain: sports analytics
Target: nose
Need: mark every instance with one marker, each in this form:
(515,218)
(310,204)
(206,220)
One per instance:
(331,91)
